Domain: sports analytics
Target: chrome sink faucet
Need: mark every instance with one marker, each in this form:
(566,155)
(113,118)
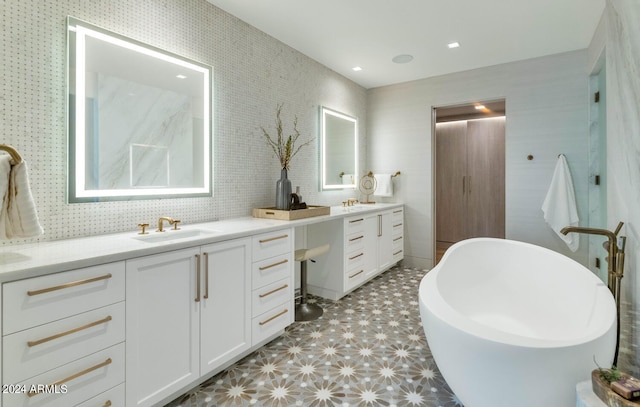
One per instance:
(171,221)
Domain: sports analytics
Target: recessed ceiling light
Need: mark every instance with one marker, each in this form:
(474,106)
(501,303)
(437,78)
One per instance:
(402,59)
(479,107)
(357,68)
(453,44)
(181,77)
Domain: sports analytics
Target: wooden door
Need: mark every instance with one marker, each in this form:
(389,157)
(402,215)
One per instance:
(451,164)
(486,173)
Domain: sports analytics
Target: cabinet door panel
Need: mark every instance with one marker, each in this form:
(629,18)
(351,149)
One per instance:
(162,326)
(486,168)
(225,320)
(385,241)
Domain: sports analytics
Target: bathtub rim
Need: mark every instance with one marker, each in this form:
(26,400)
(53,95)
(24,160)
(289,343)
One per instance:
(430,298)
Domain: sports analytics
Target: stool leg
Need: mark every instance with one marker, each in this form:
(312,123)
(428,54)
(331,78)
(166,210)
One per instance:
(304,310)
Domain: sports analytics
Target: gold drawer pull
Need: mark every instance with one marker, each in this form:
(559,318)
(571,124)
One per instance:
(273,265)
(73,376)
(69,285)
(359,272)
(273,291)
(397,238)
(356,256)
(398,252)
(399,224)
(398,211)
(356,238)
(273,317)
(107,404)
(69,332)
(357,220)
(271,239)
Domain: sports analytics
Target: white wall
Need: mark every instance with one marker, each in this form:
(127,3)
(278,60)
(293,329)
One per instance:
(252,74)
(547,114)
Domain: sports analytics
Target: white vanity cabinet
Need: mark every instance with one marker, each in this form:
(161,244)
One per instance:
(66,329)
(188,312)
(272,284)
(362,246)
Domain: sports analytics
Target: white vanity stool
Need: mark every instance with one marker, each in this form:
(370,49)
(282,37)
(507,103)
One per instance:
(304,310)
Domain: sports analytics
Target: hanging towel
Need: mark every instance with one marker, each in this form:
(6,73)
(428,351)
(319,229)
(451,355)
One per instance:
(385,185)
(18,216)
(559,205)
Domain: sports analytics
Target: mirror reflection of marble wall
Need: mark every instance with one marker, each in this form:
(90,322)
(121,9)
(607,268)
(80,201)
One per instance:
(339,139)
(140,119)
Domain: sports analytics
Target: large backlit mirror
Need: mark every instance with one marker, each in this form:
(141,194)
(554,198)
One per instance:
(339,138)
(139,119)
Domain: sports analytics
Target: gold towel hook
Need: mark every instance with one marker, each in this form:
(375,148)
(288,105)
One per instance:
(396,174)
(16,158)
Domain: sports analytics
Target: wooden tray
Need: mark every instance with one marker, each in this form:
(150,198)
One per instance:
(273,213)
(602,389)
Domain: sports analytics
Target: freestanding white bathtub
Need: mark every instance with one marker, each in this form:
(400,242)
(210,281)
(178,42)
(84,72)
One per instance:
(514,324)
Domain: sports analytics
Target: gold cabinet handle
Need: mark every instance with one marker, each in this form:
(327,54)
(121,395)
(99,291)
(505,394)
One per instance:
(271,239)
(397,238)
(359,272)
(398,211)
(69,332)
(273,291)
(398,252)
(356,221)
(69,285)
(273,265)
(396,225)
(107,404)
(206,275)
(356,238)
(356,256)
(273,317)
(197,278)
(74,376)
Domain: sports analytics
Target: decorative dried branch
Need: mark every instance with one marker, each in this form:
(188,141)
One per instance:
(284,147)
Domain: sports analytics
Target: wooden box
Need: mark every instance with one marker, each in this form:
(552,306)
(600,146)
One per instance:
(273,213)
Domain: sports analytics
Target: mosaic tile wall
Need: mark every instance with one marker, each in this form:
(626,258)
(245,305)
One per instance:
(252,74)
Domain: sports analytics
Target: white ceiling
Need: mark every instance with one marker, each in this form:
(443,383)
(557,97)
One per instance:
(342,34)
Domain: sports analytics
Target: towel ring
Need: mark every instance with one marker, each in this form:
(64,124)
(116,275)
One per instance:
(15,156)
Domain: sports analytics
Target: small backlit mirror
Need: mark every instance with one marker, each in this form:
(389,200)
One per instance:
(339,150)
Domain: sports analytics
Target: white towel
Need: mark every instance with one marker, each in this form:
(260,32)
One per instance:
(18,216)
(559,205)
(385,185)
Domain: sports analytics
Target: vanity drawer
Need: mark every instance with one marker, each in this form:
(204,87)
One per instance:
(39,300)
(272,244)
(271,270)
(355,260)
(397,215)
(270,296)
(79,381)
(271,322)
(354,278)
(110,398)
(354,242)
(30,352)
(354,224)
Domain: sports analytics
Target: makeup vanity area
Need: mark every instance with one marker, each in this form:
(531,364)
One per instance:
(136,321)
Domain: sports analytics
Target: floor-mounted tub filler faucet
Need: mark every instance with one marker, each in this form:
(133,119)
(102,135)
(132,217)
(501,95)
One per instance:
(615,269)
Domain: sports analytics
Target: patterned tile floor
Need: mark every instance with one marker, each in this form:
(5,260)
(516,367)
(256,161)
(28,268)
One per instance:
(368,349)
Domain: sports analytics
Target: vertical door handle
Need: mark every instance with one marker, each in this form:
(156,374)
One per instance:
(469,183)
(197,278)
(206,275)
(379,225)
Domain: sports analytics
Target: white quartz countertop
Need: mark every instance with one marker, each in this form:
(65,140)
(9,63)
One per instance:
(36,259)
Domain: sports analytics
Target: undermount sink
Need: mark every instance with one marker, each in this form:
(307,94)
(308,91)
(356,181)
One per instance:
(169,234)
